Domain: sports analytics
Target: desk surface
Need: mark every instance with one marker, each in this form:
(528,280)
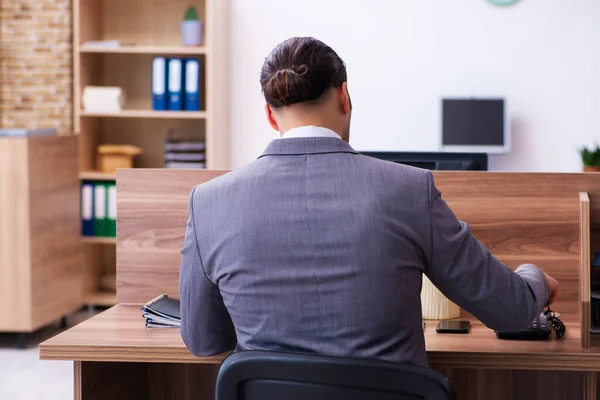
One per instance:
(119,334)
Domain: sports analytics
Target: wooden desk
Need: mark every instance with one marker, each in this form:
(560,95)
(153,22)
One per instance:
(539,218)
(119,335)
(101,345)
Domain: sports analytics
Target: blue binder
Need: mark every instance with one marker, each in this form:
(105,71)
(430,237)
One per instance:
(159,83)
(192,85)
(87,209)
(175,84)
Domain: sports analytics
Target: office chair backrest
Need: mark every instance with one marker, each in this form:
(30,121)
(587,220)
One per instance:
(259,375)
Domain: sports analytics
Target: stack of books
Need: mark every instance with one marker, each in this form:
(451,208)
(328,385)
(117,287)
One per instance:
(162,312)
(185,154)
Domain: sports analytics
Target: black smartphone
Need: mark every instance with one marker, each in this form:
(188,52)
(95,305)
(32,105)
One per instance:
(453,327)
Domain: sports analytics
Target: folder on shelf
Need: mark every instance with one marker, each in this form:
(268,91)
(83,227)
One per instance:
(175,84)
(192,85)
(87,209)
(100,215)
(159,84)
(112,210)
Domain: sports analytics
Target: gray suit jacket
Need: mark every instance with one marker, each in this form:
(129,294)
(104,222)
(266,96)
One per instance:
(315,248)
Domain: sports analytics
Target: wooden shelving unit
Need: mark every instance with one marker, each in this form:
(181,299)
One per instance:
(101,299)
(96,176)
(146,29)
(148,114)
(98,240)
(157,50)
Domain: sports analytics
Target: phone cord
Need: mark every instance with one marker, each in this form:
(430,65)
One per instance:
(557,324)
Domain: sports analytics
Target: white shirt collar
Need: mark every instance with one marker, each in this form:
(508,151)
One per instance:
(309,131)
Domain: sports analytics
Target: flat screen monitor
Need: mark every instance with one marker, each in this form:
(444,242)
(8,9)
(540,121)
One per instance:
(435,161)
(475,125)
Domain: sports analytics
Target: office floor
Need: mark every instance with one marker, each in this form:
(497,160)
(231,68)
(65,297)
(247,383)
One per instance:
(23,376)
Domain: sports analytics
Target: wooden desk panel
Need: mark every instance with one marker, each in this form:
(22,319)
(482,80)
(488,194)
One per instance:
(151,381)
(520,217)
(486,384)
(158,381)
(119,335)
(151,218)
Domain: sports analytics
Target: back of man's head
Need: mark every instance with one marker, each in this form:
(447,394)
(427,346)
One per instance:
(304,82)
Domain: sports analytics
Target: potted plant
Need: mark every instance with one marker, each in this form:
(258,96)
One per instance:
(591,159)
(191,28)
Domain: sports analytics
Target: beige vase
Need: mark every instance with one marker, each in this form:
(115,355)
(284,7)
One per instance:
(435,305)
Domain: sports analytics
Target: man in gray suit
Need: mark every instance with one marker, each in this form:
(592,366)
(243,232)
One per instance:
(315,248)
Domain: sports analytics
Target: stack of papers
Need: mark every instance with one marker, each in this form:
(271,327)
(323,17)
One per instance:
(162,312)
(185,154)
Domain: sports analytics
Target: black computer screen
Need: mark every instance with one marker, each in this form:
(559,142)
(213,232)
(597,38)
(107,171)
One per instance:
(470,122)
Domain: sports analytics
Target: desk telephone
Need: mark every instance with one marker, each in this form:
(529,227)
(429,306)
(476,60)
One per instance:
(540,328)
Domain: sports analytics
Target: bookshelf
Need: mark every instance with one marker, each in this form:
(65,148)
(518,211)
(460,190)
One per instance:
(101,299)
(96,176)
(99,240)
(156,50)
(147,114)
(145,29)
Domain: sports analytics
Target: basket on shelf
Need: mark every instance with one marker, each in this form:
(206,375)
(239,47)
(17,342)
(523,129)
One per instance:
(113,156)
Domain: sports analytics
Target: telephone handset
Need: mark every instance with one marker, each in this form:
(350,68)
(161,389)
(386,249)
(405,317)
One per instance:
(539,329)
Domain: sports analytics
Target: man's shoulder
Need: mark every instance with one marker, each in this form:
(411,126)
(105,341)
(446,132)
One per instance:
(226,181)
(372,169)
(397,172)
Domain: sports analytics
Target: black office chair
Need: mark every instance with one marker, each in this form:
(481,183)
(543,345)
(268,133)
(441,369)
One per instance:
(262,375)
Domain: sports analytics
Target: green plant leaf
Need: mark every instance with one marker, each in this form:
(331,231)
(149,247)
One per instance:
(191,14)
(590,157)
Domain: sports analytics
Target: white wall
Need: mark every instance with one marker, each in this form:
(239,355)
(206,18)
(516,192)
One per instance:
(543,56)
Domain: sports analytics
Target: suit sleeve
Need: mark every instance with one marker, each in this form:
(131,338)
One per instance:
(206,326)
(470,276)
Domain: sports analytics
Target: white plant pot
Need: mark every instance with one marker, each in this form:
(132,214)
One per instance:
(191,33)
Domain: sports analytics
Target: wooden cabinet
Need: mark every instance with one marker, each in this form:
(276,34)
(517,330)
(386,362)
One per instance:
(40,246)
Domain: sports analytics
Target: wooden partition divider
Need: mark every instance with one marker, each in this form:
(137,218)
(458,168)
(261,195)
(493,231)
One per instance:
(520,217)
(151,219)
(585,265)
(521,225)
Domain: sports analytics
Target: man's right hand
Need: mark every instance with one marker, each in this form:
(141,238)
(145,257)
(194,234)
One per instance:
(553,285)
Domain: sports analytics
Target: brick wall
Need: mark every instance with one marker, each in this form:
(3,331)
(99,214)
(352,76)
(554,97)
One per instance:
(36,64)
